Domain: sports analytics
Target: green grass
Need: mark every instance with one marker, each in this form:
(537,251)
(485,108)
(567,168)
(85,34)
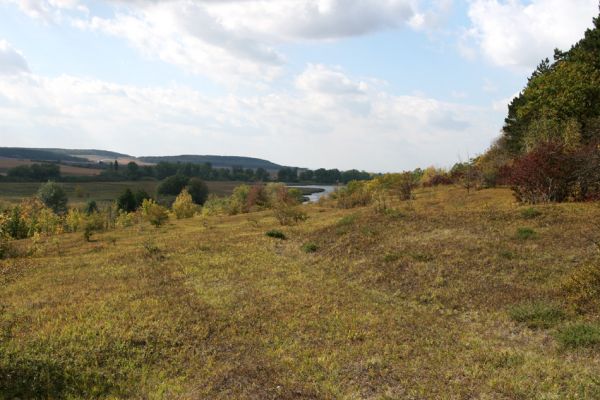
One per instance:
(525,233)
(211,308)
(276,234)
(530,213)
(537,314)
(579,335)
(310,247)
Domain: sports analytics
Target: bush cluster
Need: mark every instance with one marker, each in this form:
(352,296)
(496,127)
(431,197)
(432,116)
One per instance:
(552,172)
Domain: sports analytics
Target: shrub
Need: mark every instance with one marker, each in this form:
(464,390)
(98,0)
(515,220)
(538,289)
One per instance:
(215,205)
(156,214)
(525,233)
(74,220)
(198,190)
(53,196)
(582,288)
(14,225)
(184,206)
(92,223)
(126,201)
(355,194)
(140,195)
(257,198)
(172,185)
(276,234)
(124,219)
(91,207)
(296,195)
(579,335)
(537,314)
(289,215)
(545,174)
(238,201)
(310,247)
(435,176)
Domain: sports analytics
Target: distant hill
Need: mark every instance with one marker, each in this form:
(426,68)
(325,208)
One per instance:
(91,152)
(39,154)
(84,156)
(216,161)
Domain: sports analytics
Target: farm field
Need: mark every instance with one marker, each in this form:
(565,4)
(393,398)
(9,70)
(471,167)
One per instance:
(448,296)
(66,170)
(11,192)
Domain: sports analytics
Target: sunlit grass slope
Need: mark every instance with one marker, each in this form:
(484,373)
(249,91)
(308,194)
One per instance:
(444,297)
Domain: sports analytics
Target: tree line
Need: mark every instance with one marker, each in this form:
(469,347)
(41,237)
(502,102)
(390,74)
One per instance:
(40,172)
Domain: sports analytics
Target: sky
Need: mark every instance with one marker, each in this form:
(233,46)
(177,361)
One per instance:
(376,85)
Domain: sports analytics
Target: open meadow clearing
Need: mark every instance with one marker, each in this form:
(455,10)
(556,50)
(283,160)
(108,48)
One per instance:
(448,296)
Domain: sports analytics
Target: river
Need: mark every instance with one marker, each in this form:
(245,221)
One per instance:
(317,191)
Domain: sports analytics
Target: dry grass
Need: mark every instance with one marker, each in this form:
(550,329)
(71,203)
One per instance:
(409,304)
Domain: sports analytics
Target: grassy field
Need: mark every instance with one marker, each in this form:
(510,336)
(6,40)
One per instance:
(449,296)
(100,191)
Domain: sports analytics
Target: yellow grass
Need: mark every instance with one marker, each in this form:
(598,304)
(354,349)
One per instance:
(409,304)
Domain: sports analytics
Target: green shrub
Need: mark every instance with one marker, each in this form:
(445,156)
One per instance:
(276,234)
(198,190)
(537,315)
(310,247)
(530,213)
(579,335)
(525,233)
(173,185)
(91,207)
(53,196)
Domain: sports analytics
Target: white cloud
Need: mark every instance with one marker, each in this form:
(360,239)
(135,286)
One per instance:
(519,33)
(48,10)
(11,61)
(311,126)
(237,40)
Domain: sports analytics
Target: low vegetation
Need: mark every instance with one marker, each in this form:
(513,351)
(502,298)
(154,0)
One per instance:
(433,298)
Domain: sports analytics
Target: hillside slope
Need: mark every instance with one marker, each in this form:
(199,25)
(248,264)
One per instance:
(216,161)
(409,304)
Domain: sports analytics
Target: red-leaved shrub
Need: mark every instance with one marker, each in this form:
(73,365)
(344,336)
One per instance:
(553,173)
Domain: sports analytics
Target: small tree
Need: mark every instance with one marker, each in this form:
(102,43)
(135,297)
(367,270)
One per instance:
(172,185)
(53,196)
(154,213)
(126,201)
(91,207)
(184,207)
(198,190)
(140,196)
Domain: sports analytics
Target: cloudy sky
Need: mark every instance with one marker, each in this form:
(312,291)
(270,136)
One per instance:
(380,85)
